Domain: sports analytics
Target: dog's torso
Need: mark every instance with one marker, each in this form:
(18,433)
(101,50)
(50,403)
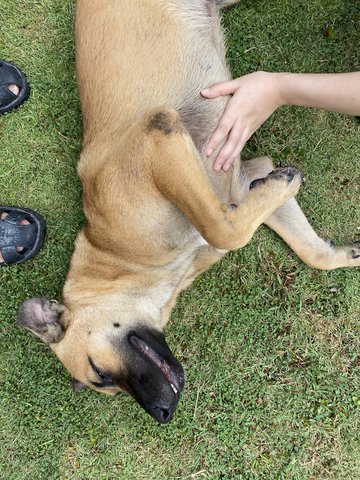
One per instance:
(148,231)
(148,67)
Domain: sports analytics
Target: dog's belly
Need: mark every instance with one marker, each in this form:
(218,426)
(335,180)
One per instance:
(146,70)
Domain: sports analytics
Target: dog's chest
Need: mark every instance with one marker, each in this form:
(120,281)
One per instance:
(178,273)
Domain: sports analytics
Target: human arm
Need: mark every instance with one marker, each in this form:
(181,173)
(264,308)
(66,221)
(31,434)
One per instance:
(257,95)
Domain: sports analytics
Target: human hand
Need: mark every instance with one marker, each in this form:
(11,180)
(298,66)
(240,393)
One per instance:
(254,98)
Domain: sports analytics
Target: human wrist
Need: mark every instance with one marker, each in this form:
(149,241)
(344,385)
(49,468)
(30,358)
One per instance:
(283,91)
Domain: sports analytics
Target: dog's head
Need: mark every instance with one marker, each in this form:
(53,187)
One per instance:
(110,352)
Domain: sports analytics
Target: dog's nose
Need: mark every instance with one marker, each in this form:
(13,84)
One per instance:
(162,414)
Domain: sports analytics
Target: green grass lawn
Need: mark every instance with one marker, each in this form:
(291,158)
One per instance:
(270,346)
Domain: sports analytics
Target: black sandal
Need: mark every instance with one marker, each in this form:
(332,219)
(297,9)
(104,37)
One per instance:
(30,236)
(11,75)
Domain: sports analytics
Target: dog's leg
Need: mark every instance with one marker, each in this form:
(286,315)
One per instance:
(245,173)
(291,224)
(179,175)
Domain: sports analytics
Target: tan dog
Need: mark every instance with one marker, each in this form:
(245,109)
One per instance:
(157,214)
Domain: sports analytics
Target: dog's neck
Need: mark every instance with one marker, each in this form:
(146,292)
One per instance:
(105,281)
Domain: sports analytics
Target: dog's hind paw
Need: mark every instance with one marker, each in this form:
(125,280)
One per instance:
(284,182)
(285,173)
(355,250)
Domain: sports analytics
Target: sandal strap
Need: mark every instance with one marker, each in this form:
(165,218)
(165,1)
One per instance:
(12,234)
(11,255)
(6,95)
(11,75)
(14,216)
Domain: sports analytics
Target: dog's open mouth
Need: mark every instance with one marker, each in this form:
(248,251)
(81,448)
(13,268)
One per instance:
(174,377)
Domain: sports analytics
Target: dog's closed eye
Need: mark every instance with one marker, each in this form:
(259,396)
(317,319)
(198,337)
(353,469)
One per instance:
(105,378)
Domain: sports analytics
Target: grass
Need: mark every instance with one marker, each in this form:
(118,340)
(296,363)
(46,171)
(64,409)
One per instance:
(270,346)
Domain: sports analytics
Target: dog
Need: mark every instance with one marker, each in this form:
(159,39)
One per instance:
(157,214)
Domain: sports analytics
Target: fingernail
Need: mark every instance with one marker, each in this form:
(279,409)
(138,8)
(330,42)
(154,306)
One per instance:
(209,152)
(217,168)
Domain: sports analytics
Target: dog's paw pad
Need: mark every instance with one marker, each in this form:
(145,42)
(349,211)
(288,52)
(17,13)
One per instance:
(355,250)
(284,173)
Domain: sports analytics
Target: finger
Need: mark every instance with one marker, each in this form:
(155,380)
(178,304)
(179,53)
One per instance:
(218,136)
(237,150)
(231,150)
(219,89)
(234,156)
(227,153)
(226,125)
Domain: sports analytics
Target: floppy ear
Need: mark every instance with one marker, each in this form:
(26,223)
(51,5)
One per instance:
(43,318)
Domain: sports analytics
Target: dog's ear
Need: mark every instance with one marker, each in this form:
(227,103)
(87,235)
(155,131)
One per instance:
(43,318)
